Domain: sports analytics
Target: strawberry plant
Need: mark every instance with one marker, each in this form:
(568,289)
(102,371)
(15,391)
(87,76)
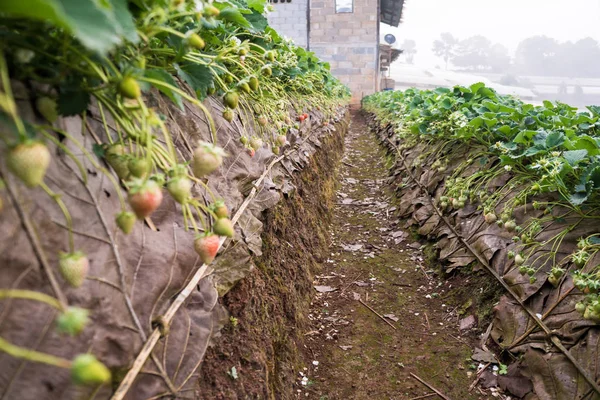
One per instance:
(102,60)
(546,154)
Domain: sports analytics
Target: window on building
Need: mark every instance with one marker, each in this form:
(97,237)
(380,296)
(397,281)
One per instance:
(344,6)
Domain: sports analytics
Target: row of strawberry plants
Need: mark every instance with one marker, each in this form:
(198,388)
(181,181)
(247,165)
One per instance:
(549,154)
(77,55)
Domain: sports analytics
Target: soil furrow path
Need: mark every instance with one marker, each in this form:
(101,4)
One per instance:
(375,266)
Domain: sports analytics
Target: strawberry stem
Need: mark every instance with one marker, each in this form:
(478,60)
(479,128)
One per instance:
(65,211)
(30,295)
(7,101)
(32,355)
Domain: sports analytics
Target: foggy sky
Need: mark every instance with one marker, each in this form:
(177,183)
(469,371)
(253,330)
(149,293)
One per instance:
(507,22)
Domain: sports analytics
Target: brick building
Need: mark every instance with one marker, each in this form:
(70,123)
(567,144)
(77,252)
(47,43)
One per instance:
(344,33)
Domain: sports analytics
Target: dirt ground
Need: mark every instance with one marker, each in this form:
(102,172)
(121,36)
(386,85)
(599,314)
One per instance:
(381,313)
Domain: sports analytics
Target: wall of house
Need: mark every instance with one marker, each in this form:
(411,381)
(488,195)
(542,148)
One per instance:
(290,20)
(348,41)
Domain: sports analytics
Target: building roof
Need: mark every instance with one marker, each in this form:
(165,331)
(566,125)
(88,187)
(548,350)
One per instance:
(391,11)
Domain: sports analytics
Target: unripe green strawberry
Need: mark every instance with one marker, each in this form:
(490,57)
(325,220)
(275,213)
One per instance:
(519,260)
(231,99)
(206,159)
(220,209)
(126,221)
(281,140)
(523,269)
(24,56)
(72,320)
(245,87)
(228,114)
(275,150)
(180,188)
(256,143)
(139,167)
(510,225)
(129,88)
(74,267)
(144,198)
(87,370)
(195,41)
(211,90)
(223,227)
(47,107)
(210,11)
(253,83)
(490,218)
(29,161)
(228,78)
(242,51)
(244,140)
(207,247)
(262,120)
(266,70)
(270,56)
(120,164)
(115,149)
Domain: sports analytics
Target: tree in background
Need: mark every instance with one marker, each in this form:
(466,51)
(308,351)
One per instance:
(498,58)
(537,55)
(409,49)
(445,47)
(541,55)
(473,53)
(480,54)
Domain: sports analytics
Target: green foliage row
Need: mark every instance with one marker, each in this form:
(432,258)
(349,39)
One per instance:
(548,153)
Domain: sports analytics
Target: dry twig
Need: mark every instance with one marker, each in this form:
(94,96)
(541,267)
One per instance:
(443,396)
(376,313)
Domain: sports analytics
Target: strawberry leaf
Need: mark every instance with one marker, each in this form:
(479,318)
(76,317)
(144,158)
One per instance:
(199,77)
(164,76)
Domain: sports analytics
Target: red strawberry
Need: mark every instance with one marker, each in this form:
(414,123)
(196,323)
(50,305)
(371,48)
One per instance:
(126,221)
(144,198)
(180,188)
(206,159)
(223,227)
(207,247)
(87,370)
(251,152)
(305,116)
(300,117)
(220,209)
(281,140)
(29,161)
(74,267)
